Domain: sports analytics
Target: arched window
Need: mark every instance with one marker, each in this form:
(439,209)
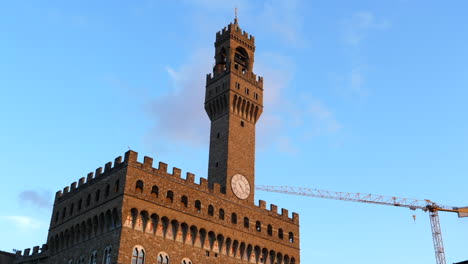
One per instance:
(139,186)
(280,233)
(210,210)
(80,260)
(291,237)
(107,255)
(234,218)
(155,191)
(138,256)
(184,201)
(258,226)
(270,230)
(71,209)
(186,261)
(107,190)
(163,258)
(116,186)
(221,214)
(88,200)
(246,222)
(170,196)
(241,59)
(198,206)
(98,193)
(93,257)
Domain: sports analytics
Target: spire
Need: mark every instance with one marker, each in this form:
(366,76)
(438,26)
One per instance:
(235,18)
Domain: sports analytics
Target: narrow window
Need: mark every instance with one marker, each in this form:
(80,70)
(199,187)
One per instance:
(107,190)
(138,256)
(98,193)
(198,206)
(216,164)
(270,230)
(71,209)
(139,186)
(155,191)
(88,200)
(117,186)
(258,226)
(184,201)
(242,123)
(217,135)
(107,255)
(234,218)
(93,257)
(246,222)
(291,237)
(163,258)
(170,196)
(221,214)
(80,202)
(280,233)
(64,213)
(237,85)
(210,210)
(57,215)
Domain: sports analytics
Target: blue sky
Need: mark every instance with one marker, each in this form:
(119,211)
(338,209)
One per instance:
(360,96)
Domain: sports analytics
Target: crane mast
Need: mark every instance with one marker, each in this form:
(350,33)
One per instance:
(413,204)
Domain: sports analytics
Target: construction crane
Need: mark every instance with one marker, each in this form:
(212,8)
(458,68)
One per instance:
(413,204)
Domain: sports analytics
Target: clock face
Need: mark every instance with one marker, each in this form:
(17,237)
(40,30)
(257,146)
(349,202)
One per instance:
(240,186)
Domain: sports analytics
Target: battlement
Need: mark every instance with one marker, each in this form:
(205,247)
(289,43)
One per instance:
(90,179)
(37,252)
(131,159)
(235,32)
(203,185)
(246,75)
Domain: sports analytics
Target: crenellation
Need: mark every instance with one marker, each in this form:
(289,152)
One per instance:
(176,172)
(262,204)
(26,252)
(73,186)
(274,208)
(284,213)
(89,177)
(190,177)
(98,172)
(58,194)
(18,253)
(35,250)
(295,218)
(162,167)
(65,190)
(147,163)
(117,161)
(107,167)
(203,184)
(131,157)
(81,181)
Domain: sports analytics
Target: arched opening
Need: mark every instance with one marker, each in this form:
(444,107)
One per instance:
(291,237)
(139,186)
(198,206)
(246,222)
(155,191)
(280,233)
(221,214)
(210,210)
(163,258)
(184,201)
(241,59)
(258,226)
(170,196)
(138,256)
(270,230)
(233,218)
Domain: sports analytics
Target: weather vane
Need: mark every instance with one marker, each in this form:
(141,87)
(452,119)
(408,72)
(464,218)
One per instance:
(235,12)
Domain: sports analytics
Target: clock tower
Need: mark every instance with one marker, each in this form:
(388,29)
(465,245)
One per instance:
(234,103)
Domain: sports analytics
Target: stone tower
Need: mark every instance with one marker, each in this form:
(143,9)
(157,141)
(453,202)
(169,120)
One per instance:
(234,103)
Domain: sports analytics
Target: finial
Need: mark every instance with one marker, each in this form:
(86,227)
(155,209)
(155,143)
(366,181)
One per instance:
(235,18)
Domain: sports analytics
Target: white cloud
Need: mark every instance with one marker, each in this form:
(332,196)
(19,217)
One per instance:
(23,223)
(283,17)
(360,24)
(41,199)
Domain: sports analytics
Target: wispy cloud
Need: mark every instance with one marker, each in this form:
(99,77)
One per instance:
(179,114)
(360,24)
(283,17)
(23,223)
(41,199)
